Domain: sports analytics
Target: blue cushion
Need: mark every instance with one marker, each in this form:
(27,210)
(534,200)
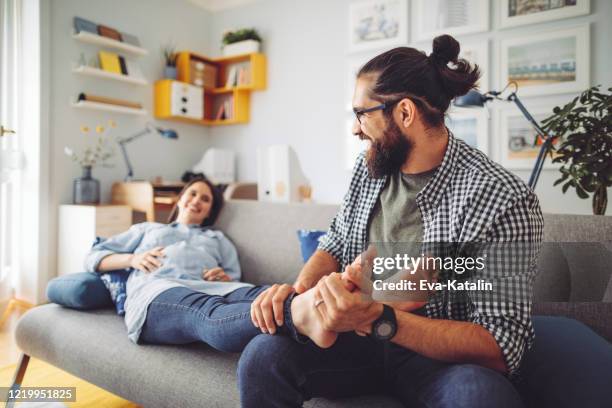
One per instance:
(569,365)
(83,290)
(309,241)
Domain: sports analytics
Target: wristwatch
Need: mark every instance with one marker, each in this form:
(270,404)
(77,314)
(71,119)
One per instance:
(385,327)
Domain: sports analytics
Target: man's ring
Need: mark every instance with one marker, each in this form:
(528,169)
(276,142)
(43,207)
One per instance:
(318,302)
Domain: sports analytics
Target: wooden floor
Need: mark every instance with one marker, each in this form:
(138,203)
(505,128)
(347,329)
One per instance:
(9,352)
(41,374)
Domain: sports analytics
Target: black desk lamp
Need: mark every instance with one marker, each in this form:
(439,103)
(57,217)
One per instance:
(149,128)
(476,99)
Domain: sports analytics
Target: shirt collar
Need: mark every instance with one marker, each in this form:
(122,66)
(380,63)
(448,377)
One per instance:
(433,190)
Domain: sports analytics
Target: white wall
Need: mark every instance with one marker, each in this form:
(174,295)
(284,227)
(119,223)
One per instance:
(307,49)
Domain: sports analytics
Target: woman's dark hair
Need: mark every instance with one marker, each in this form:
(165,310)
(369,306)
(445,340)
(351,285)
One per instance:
(217,202)
(428,81)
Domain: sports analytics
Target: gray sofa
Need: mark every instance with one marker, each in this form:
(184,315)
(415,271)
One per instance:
(93,345)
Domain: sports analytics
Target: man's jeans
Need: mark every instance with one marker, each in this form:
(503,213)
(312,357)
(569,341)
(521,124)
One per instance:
(277,371)
(181,315)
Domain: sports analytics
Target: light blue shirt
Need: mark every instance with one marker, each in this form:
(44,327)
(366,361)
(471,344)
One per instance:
(187,249)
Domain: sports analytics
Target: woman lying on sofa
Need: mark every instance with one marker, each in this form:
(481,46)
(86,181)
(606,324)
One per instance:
(185,285)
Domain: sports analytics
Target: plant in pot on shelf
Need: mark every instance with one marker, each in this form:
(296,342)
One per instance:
(170,57)
(86,189)
(243,41)
(585,126)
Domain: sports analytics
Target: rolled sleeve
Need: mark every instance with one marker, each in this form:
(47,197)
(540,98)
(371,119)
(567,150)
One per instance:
(331,242)
(123,243)
(506,313)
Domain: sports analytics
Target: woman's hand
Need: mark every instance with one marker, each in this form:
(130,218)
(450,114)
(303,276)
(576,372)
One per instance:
(215,274)
(148,261)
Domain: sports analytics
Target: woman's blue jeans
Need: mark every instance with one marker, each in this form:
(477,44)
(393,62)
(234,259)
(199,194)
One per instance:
(181,315)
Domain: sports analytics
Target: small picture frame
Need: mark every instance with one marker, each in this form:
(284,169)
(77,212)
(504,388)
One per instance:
(521,12)
(548,62)
(377,24)
(455,17)
(516,137)
(470,125)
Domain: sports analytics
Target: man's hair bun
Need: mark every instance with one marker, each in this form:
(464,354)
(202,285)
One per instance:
(445,49)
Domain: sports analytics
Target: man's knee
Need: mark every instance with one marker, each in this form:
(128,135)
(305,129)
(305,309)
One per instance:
(468,385)
(266,355)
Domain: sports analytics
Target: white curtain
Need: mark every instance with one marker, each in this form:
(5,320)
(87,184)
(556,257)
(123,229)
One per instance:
(11,156)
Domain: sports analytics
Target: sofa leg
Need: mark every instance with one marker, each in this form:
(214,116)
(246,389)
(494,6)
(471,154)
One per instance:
(18,378)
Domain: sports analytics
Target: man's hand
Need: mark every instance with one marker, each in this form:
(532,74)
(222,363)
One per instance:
(215,274)
(343,310)
(267,308)
(147,261)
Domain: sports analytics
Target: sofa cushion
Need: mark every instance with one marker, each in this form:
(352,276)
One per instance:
(309,241)
(93,345)
(568,366)
(608,294)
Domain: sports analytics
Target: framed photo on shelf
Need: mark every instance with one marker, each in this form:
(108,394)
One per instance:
(520,12)
(431,18)
(471,126)
(519,143)
(547,63)
(375,24)
(352,144)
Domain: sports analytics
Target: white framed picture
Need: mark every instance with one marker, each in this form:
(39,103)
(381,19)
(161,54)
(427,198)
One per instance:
(431,18)
(353,146)
(547,63)
(476,52)
(520,12)
(471,126)
(519,142)
(376,24)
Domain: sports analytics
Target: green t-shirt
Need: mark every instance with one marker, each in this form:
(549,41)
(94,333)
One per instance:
(396,216)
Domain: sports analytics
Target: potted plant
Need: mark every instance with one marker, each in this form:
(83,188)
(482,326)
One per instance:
(170,57)
(243,41)
(86,189)
(585,126)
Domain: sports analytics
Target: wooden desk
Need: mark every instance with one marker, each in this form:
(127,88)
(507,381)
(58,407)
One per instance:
(153,199)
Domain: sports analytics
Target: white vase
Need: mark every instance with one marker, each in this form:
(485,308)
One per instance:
(241,47)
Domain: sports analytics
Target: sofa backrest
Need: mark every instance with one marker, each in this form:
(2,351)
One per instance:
(576,268)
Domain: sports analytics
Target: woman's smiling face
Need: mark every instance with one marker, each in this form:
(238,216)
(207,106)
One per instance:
(195,204)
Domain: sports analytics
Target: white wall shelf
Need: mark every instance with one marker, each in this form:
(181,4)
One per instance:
(108,107)
(92,38)
(90,71)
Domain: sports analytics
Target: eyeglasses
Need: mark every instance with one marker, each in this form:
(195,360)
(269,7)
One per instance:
(382,106)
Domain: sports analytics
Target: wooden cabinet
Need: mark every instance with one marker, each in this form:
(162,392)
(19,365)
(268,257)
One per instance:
(79,225)
(155,200)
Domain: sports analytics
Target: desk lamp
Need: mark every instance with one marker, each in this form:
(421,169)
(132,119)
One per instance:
(149,128)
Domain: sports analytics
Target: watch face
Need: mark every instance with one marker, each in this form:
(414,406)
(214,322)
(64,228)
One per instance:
(384,330)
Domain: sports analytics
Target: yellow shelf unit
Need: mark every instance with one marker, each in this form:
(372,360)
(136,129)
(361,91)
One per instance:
(239,95)
(239,98)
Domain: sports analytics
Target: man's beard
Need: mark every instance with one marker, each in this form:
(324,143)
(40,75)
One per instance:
(386,156)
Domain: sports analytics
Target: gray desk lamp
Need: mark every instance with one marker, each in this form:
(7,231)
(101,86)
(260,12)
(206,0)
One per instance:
(149,128)
(476,99)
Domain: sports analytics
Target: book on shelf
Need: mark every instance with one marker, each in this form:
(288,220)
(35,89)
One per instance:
(123,65)
(110,62)
(232,76)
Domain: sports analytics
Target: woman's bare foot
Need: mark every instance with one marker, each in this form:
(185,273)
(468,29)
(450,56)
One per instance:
(305,320)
